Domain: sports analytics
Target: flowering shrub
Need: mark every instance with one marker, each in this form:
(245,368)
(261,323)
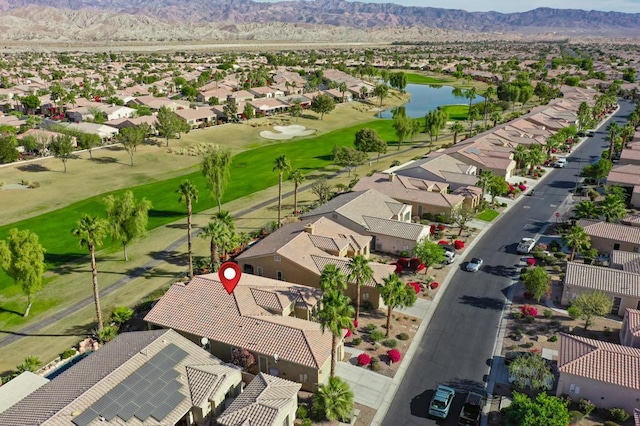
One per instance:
(420,267)
(364,359)
(432,229)
(414,263)
(403,261)
(522,187)
(416,286)
(394,355)
(458,244)
(348,334)
(528,311)
(443,242)
(512,189)
(531,261)
(433,285)
(442,227)
(399,268)
(355,323)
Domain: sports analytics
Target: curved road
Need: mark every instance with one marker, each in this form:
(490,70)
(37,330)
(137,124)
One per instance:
(458,344)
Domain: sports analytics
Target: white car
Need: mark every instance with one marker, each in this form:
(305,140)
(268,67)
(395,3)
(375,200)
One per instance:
(526,245)
(560,162)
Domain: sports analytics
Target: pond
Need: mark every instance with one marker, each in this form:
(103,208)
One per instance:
(425,97)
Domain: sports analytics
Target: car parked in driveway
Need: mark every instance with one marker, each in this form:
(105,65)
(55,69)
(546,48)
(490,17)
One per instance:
(474,264)
(441,401)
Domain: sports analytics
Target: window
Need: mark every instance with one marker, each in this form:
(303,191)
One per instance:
(636,249)
(260,271)
(365,296)
(276,258)
(303,377)
(279,276)
(638,306)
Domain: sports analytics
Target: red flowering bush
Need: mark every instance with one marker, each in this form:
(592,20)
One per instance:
(420,267)
(434,285)
(528,311)
(364,359)
(399,269)
(403,261)
(414,263)
(348,334)
(458,244)
(512,189)
(394,355)
(531,261)
(432,229)
(522,187)
(355,323)
(416,286)
(443,242)
(442,227)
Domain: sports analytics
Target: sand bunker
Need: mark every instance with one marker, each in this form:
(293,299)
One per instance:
(286,132)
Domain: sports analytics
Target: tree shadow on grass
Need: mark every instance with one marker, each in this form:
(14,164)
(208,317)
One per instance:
(103,160)
(172,257)
(33,168)
(310,117)
(177,226)
(114,148)
(159,272)
(166,213)
(10,311)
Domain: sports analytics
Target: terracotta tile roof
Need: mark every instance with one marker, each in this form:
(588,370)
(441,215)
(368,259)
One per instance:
(626,260)
(204,308)
(353,205)
(395,228)
(608,280)
(260,402)
(633,321)
(636,416)
(611,231)
(632,219)
(205,381)
(601,361)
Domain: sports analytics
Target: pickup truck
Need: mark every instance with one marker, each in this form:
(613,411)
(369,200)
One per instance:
(526,245)
(471,410)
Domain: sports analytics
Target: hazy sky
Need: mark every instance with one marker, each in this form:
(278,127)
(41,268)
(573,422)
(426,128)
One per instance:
(629,6)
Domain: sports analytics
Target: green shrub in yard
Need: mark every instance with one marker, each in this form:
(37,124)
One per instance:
(307,422)
(576,416)
(302,412)
(403,336)
(390,343)
(107,333)
(586,406)
(356,341)
(121,314)
(516,315)
(370,327)
(553,338)
(68,353)
(619,414)
(548,313)
(376,335)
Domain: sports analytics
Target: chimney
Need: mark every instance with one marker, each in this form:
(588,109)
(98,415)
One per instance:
(310,228)
(392,177)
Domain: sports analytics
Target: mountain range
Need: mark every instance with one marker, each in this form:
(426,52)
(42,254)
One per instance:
(302,20)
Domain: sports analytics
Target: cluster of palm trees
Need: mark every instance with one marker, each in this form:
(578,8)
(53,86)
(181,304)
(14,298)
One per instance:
(282,165)
(612,208)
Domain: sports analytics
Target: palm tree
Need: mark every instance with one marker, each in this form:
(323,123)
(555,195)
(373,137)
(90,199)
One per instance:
(495,117)
(577,240)
(612,208)
(521,156)
(219,235)
(90,230)
(471,95)
(281,165)
(343,88)
(484,180)
(335,315)
(188,195)
(489,94)
(553,142)
(613,133)
(396,294)
(360,272)
(334,400)
(297,177)
(585,210)
(332,279)
(456,128)
(537,156)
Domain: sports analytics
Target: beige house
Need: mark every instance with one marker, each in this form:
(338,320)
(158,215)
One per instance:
(298,252)
(267,400)
(622,286)
(625,261)
(144,377)
(607,237)
(630,330)
(269,318)
(604,373)
(377,215)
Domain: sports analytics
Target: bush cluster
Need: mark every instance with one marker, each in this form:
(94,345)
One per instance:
(364,360)
(394,355)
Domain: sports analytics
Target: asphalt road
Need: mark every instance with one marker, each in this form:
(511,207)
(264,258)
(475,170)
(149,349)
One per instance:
(458,344)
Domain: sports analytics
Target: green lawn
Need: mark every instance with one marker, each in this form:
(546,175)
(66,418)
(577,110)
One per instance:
(457,112)
(251,171)
(488,215)
(423,79)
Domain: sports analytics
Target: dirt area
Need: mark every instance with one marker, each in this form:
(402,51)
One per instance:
(372,322)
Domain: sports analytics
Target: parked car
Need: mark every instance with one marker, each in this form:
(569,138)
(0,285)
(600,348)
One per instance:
(526,245)
(474,264)
(449,252)
(471,410)
(560,162)
(441,401)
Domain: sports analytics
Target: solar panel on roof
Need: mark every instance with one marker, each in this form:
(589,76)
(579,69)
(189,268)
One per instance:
(175,399)
(111,411)
(85,418)
(162,411)
(128,411)
(102,403)
(144,411)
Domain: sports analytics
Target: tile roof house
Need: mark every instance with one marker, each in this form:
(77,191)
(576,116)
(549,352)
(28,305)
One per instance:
(266,401)
(423,195)
(267,317)
(17,388)
(630,330)
(625,261)
(622,286)
(139,378)
(298,252)
(369,212)
(604,373)
(198,116)
(607,236)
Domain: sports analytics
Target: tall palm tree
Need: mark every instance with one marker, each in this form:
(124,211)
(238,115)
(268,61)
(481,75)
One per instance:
(297,177)
(484,180)
(334,400)
(585,210)
(489,95)
(553,142)
(577,240)
(537,156)
(521,156)
(219,235)
(335,315)
(456,128)
(612,208)
(396,294)
(332,279)
(613,133)
(281,165)
(90,231)
(343,88)
(188,195)
(471,95)
(360,272)
(495,117)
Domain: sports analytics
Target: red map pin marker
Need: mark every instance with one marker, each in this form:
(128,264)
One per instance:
(229,274)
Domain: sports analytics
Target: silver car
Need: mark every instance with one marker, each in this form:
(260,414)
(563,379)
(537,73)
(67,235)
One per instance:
(474,264)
